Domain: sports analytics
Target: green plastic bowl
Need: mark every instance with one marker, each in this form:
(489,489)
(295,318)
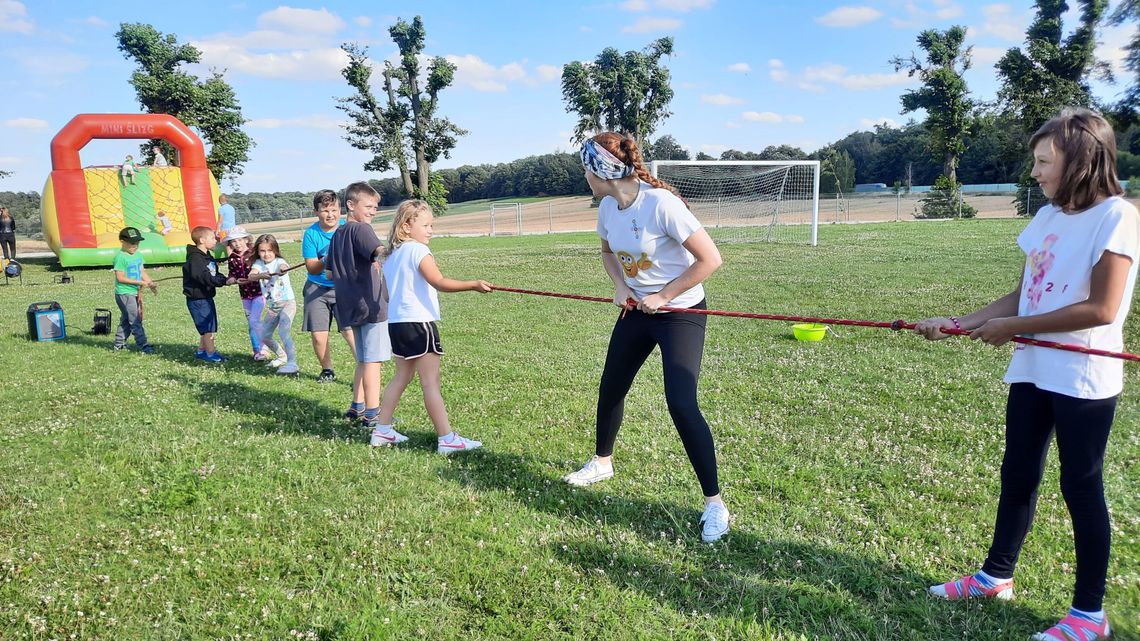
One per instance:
(809,331)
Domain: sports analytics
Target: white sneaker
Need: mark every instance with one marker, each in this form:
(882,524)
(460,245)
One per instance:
(278,362)
(456,444)
(591,472)
(386,436)
(715,520)
(288,368)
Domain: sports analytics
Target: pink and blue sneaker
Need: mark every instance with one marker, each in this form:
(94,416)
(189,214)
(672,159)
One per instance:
(974,586)
(1077,626)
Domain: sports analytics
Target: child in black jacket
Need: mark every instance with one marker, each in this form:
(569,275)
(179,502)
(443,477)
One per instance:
(200,280)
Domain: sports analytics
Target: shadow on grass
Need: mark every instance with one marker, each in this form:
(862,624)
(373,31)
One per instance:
(755,584)
(274,411)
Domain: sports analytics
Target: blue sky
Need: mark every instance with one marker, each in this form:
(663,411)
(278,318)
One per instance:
(746,74)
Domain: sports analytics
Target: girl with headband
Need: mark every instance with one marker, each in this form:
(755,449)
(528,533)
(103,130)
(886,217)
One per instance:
(657,254)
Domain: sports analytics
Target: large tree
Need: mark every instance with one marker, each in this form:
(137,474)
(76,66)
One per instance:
(406,126)
(376,127)
(1052,72)
(943,94)
(666,148)
(628,92)
(163,86)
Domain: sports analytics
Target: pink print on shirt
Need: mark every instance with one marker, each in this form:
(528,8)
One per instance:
(1040,260)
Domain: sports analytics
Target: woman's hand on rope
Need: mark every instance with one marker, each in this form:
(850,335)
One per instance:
(651,303)
(931,328)
(622,297)
(996,331)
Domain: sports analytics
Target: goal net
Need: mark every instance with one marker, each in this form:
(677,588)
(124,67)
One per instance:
(506,219)
(747,201)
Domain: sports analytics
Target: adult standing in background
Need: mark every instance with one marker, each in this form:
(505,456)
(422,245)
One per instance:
(7,234)
(227,218)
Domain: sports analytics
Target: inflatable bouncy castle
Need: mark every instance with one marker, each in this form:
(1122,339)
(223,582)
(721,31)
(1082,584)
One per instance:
(83,209)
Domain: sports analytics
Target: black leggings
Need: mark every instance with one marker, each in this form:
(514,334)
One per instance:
(8,244)
(1082,427)
(682,340)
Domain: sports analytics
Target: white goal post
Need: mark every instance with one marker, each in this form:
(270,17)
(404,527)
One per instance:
(749,200)
(506,211)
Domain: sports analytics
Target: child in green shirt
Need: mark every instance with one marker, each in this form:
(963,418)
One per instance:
(129,277)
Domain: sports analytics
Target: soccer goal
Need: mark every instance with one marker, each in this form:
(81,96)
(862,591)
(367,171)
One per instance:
(757,200)
(509,215)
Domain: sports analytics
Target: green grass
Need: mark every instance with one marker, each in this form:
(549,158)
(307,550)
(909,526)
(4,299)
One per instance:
(157,498)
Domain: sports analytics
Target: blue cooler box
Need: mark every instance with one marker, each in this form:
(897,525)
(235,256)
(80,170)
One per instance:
(45,321)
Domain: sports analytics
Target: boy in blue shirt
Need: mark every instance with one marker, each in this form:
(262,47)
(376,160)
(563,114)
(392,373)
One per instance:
(129,277)
(319,294)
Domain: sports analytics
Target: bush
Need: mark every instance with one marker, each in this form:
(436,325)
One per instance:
(943,201)
(1133,189)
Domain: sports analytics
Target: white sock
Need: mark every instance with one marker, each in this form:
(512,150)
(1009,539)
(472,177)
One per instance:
(1096,617)
(988,580)
(448,438)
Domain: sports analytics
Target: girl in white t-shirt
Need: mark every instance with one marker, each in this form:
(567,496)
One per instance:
(413,310)
(280,303)
(657,255)
(1076,287)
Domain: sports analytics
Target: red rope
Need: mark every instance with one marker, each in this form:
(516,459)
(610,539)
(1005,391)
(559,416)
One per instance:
(895,325)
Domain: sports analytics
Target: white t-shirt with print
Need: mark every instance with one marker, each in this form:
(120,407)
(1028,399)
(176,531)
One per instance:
(647,237)
(1061,250)
(410,298)
(276,289)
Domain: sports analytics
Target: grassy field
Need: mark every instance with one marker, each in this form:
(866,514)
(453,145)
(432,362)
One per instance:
(159,498)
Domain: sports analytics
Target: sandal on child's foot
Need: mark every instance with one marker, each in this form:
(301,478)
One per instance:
(1075,628)
(969,587)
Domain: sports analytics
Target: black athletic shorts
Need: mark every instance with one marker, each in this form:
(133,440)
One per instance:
(412,340)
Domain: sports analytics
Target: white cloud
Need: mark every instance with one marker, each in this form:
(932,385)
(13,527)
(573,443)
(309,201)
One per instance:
(95,21)
(635,5)
(721,99)
(815,78)
(946,9)
(920,16)
(1110,47)
(13,17)
(647,24)
(315,121)
(585,29)
(26,123)
(548,72)
(732,124)
(771,117)
(363,21)
(300,20)
(714,150)
(684,6)
(473,71)
(776,70)
(740,67)
(849,16)
(868,123)
(986,56)
(48,63)
(317,63)
(1001,22)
